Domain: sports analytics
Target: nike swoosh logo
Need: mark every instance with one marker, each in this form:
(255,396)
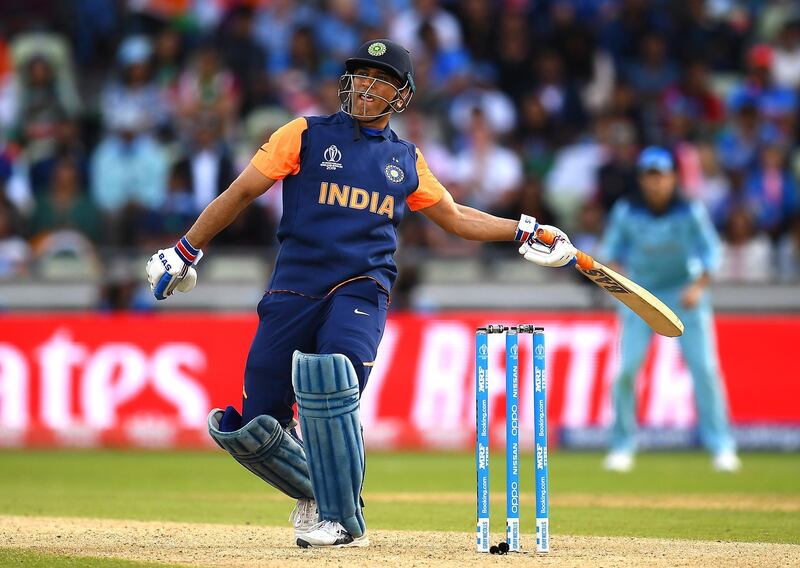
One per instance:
(359,312)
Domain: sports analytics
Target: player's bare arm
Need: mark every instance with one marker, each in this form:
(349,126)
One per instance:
(469,223)
(226,207)
(475,225)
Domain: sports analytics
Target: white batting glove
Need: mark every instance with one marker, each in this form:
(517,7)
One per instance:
(173,269)
(560,253)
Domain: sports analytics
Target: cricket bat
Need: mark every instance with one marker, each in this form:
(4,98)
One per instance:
(653,311)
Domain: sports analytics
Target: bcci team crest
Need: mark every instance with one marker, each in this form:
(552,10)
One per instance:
(376,49)
(333,157)
(393,173)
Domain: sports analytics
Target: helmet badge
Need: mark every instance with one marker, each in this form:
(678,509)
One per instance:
(376,49)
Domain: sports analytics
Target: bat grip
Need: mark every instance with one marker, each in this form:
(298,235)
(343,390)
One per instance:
(585,261)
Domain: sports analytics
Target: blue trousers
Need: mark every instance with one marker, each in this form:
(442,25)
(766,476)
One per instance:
(350,321)
(698,345)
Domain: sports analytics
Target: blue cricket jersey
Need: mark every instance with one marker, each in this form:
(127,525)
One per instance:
(665,250)
(345,191)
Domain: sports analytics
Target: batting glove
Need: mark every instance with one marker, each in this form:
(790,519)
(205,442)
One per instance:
(173,269)
(559,253)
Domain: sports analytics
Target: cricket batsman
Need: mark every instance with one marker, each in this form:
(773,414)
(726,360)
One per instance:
(348,181)
(668,245)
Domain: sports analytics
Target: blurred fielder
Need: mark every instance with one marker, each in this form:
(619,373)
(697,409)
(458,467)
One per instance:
(669,246)
(347,183)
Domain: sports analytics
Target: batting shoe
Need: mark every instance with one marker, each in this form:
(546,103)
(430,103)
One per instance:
(304,517)
(619,461)
(727,462)
(330,534)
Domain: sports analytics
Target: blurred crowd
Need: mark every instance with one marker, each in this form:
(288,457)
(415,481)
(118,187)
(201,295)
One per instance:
(121,119)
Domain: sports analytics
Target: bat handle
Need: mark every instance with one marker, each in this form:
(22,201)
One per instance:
(585,261)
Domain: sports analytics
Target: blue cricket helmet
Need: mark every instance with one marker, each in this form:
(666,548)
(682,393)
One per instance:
(382,54)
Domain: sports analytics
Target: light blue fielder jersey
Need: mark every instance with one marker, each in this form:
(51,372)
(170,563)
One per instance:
(665,250)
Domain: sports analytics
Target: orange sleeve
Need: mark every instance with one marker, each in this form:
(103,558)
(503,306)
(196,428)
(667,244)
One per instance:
(280,157)
(429,191)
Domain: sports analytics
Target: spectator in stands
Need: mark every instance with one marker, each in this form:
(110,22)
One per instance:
(573,178)
(206,87)
(134,90)
(338,32)
(246,58)
(478,21)
(404,28)
(625,105)
(40,108)
(622,35)
(772,101)
(530,197)
(55,80)
(492,172)
(15,254)
(179,208)
(66,205)
(654,69)
(591,69)
(68,144)
(209,163)
(449,67)
(789,253)
(558,95)
(771,190)
(616,178)
(786,57)
(535,135)
(651,74)
(589,230)
(711,186)
(95,24)
(128,173)
(711,30)
(426,135)
(273,27)
(738,143)
(514,49)
(496,108)
(305,55)
(167,63)
(694,97)
(746,252)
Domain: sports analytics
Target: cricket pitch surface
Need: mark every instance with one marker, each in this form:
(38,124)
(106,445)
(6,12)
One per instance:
(195,544)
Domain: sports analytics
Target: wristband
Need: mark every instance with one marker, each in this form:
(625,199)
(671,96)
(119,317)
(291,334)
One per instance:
(527,226)
(187,252)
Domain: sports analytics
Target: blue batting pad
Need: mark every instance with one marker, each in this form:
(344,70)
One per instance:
(326,389)
(265,448)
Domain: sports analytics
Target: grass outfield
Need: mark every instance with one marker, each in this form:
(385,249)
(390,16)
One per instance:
(28,559)
(669,495)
